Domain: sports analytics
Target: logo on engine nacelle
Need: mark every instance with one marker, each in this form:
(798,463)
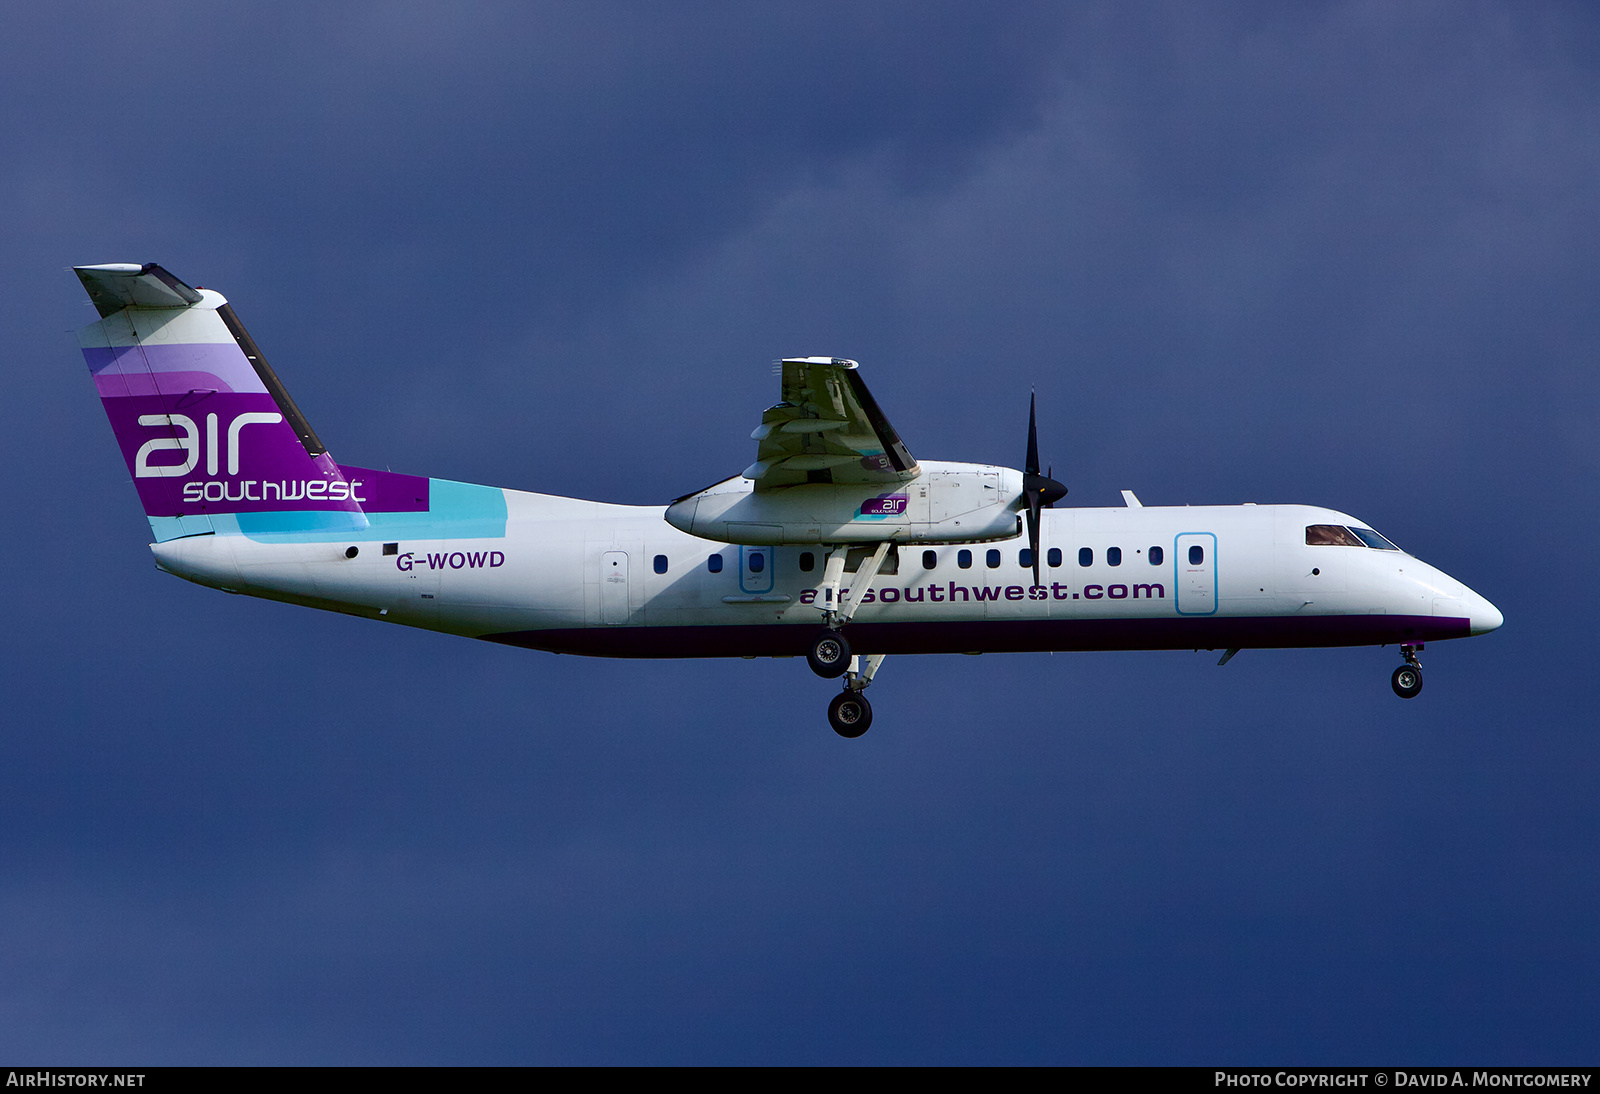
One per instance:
(884,505)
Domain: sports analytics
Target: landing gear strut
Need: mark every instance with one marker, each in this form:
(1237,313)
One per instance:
(1407,679)
(829,652)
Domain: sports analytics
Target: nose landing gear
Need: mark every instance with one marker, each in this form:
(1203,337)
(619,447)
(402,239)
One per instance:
(1407,679)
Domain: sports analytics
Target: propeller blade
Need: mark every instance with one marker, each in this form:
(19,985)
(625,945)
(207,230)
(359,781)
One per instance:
(1031,467)
(1033,538)
(1038,491)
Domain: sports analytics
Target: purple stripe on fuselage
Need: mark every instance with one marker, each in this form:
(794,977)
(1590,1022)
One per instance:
(997,636)
(171,369)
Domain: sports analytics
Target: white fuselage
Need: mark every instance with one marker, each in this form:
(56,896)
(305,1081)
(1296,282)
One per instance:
(587,577)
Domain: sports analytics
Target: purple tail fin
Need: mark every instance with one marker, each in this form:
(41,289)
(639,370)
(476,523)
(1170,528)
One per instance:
(205,425)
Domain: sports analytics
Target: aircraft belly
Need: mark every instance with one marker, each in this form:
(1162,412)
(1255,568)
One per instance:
(993,635)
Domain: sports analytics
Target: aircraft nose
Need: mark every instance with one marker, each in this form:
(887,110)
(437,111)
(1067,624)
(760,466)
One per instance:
(1485,616)
(1480,615)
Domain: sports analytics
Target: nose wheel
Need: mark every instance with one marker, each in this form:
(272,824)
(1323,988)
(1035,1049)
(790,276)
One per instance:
(1407,679)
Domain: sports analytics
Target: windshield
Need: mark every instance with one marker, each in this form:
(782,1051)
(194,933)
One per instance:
(1374,540)
(1337,535)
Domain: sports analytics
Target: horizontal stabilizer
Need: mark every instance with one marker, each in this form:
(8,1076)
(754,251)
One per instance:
(117,285)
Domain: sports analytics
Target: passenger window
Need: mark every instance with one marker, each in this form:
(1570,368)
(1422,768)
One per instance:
(1025,558)
(661,564)
(964,559)
(1053,556)
(808,562)
(992,558)
(1085,556)
(756,560)
(1113,556)
(714,564)
(1156,555)
(930,559)
(1197,555)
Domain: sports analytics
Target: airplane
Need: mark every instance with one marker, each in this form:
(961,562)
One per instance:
(835,544)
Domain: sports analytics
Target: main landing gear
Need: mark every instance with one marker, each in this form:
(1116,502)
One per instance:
(1407,679)
(849,713)
(829,653)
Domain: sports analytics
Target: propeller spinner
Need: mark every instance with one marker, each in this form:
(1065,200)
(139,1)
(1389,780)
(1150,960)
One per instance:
(1038,491)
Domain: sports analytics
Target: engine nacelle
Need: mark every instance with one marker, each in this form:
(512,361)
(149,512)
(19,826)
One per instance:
(945,503)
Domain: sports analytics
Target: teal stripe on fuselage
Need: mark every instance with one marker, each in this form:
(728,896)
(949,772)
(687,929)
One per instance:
(456,510)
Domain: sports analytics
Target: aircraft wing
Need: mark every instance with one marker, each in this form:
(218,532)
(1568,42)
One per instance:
(828,428)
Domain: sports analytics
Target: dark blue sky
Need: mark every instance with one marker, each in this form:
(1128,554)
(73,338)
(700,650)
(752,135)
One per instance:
(1344,254)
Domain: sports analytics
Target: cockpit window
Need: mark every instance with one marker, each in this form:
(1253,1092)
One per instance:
(1374,540)
(1337,535)
(1331,535)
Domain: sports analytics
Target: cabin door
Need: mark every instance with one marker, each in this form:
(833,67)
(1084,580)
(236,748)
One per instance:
(1194,558)
(614,587)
